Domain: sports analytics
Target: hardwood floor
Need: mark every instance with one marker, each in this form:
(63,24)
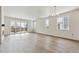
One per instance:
(37,43)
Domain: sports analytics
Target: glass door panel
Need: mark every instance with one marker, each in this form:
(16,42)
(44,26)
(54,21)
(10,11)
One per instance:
(18,26)
(23,26)
(12,26)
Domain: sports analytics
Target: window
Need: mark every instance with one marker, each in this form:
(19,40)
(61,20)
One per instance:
(18,24)
(63,23)
(23,25)
(47,22)
(12,23)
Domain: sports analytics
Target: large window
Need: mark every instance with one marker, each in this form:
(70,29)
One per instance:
(63,23)
(18,25)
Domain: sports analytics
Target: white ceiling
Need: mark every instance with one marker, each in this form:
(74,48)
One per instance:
(34,11)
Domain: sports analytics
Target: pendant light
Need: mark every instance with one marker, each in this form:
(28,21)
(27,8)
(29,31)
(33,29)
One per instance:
(54,10)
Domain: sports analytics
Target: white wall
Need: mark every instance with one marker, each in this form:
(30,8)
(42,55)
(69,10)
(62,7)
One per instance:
(7,28)
(52,30)
(25,12)
(0,24)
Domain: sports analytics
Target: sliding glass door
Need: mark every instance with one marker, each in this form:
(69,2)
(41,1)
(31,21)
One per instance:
(18,26)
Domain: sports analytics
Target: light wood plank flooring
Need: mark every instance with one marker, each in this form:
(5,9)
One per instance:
(37,43)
